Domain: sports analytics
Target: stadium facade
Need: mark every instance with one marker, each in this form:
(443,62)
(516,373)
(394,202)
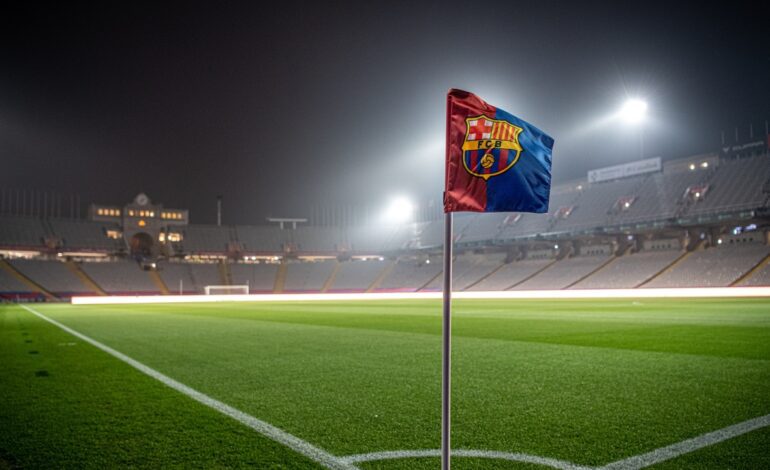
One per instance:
(697,221)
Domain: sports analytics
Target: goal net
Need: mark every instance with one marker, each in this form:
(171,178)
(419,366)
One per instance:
(226,290)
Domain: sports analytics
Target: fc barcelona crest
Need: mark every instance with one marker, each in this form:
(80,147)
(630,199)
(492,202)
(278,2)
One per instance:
(491,146)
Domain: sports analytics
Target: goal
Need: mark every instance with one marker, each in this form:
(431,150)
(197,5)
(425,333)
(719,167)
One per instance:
(227,290)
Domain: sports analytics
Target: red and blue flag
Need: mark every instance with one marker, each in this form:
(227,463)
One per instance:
(495,161)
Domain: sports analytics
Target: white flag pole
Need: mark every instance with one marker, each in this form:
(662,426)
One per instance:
(446,354)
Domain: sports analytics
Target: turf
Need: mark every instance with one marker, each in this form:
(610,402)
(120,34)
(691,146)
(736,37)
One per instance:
(590,382)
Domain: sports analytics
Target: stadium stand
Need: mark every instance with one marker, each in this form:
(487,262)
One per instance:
(54,276)
(11,288)
(357,276)
(660,196)
(307,277)
(121,278)
(483,227)
(593,206)
(373,240)
(629,271)
(563,199)
(482,266)
(759,278)
(702,201)
(265,239)
(563,273)
(737,184)
(206,239)
(178,276)
(194,277)
(84,235)
(460,266)
(713,267)
(511,274)
(468,269)
(409,275)
(259,277)
(22,232)
(206,274)
(317,239)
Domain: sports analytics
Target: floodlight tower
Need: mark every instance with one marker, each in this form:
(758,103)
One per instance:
(634,112)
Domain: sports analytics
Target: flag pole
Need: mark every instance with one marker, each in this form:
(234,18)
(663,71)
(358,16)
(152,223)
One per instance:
(446,353)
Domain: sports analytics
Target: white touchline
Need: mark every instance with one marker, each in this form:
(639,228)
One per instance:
(268,430)
(689,445)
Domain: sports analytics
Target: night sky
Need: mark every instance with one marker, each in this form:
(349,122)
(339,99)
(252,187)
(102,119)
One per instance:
(279,108)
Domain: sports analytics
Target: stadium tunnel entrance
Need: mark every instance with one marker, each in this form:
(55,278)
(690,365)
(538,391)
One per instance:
(141,245)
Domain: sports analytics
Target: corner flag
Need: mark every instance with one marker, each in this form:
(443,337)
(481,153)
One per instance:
(495,162)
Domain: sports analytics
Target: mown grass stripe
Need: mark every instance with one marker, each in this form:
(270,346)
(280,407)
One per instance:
(268,430)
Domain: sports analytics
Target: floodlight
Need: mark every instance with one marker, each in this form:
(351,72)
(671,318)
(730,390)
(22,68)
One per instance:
(634,111)
(399,211)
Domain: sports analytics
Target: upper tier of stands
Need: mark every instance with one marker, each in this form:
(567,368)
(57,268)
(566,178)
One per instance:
(20,232)
(727,185)
(34,233)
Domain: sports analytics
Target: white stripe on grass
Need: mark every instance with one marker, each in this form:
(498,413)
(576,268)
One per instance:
(278,435)
(482,454)
(690,445)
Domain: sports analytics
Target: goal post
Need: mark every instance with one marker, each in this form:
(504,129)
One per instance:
(227,290)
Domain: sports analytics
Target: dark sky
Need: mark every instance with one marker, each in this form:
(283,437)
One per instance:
(278,108)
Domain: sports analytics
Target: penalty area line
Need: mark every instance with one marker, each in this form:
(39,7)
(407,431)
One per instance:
(690,445)
(268,430)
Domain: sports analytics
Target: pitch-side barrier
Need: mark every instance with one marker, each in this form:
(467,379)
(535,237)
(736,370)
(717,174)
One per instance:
(698,292)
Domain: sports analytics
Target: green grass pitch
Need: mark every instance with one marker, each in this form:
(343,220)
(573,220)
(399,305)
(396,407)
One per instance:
(589,382)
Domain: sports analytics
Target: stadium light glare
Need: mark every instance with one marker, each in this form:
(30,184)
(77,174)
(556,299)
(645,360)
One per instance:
(634,111)
(399,211)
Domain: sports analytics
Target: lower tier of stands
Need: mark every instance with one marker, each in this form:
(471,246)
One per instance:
(744,264)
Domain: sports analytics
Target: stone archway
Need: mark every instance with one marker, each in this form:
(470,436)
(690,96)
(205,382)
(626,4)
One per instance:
(141,244)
